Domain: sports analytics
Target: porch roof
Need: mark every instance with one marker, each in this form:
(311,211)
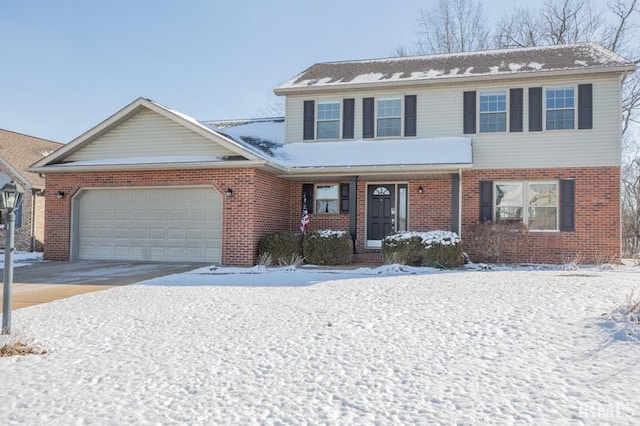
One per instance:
(388,152)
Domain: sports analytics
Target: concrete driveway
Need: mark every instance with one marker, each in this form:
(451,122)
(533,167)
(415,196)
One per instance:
(43,282)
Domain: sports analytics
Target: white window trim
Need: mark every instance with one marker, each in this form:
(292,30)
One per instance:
(507,107)
(317,120)
(316,198)
(375,108)
(525,205)
(544,107)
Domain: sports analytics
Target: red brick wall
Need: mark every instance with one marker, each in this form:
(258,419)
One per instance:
(259,205)
(428,211)
(597,214)
(22,236)
(263,203)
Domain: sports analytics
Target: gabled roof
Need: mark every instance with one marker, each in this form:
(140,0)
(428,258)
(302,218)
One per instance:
(586,57)
(19,151)
(57,161)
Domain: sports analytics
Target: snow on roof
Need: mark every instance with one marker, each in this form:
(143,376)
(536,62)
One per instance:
(259,135)
(265,137)
(358,153)
(433,67)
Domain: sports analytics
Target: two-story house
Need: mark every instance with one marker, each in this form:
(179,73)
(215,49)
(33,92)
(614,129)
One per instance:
(373,146)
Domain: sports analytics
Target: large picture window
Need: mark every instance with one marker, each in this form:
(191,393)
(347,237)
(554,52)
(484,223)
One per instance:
(493,112)
(328,120)
(560,108)
(389,117)
(533,203)
(327,198)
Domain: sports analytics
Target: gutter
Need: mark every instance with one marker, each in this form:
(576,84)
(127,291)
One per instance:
(70,168)
(300,172)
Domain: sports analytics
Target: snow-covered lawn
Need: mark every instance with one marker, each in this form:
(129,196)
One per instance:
(295,347)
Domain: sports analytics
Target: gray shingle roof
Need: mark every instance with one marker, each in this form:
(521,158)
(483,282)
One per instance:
(469,64)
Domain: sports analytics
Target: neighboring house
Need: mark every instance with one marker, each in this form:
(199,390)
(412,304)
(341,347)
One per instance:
(17,153)
(374,146)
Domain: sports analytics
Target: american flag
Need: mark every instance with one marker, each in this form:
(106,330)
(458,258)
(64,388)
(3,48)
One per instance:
(304,221)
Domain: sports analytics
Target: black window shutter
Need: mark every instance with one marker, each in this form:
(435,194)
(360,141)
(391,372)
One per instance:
(469,113)
(309,118)
(515,110)
(410,106)
(585,106)
(307,189)
(344,198)
(367,117)
(535,109)
(486,200)
(567,205)
(347,118)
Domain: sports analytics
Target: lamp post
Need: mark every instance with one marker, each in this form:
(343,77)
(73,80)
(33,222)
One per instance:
(10,199)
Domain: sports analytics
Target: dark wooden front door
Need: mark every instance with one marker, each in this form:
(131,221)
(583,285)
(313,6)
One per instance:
(380,211)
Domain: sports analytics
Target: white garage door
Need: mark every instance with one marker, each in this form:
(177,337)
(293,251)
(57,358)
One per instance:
(159,224)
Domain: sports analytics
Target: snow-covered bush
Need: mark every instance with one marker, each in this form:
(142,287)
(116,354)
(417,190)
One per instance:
(494,241)
(281,247)
(440,249)
(327,247)
(627,318)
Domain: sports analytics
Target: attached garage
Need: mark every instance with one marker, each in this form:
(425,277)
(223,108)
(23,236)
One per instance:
(148,224)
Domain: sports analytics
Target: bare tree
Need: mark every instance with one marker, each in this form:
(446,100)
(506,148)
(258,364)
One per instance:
(569,21)
(399,51)
(452,26)
(522,28)
(273,107)
(617,33)
(631,207)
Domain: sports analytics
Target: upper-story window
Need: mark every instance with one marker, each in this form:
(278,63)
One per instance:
(389,117)
(493,112)
(328,120)
(560,108)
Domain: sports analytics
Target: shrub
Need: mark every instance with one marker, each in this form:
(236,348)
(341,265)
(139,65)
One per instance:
(493,241)
(11,345)
(328,247)
(626,318)
(281,247)
(440,249)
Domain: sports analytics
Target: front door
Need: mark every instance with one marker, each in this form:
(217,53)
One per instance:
(380,213)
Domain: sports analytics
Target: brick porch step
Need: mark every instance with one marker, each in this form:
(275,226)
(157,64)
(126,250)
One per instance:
(370,258)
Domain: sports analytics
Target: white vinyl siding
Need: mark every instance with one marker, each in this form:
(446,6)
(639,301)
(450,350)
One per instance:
(439,114)
(149,134)
(148,224)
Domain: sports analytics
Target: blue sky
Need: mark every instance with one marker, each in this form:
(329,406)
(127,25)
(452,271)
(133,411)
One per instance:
(68,65)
